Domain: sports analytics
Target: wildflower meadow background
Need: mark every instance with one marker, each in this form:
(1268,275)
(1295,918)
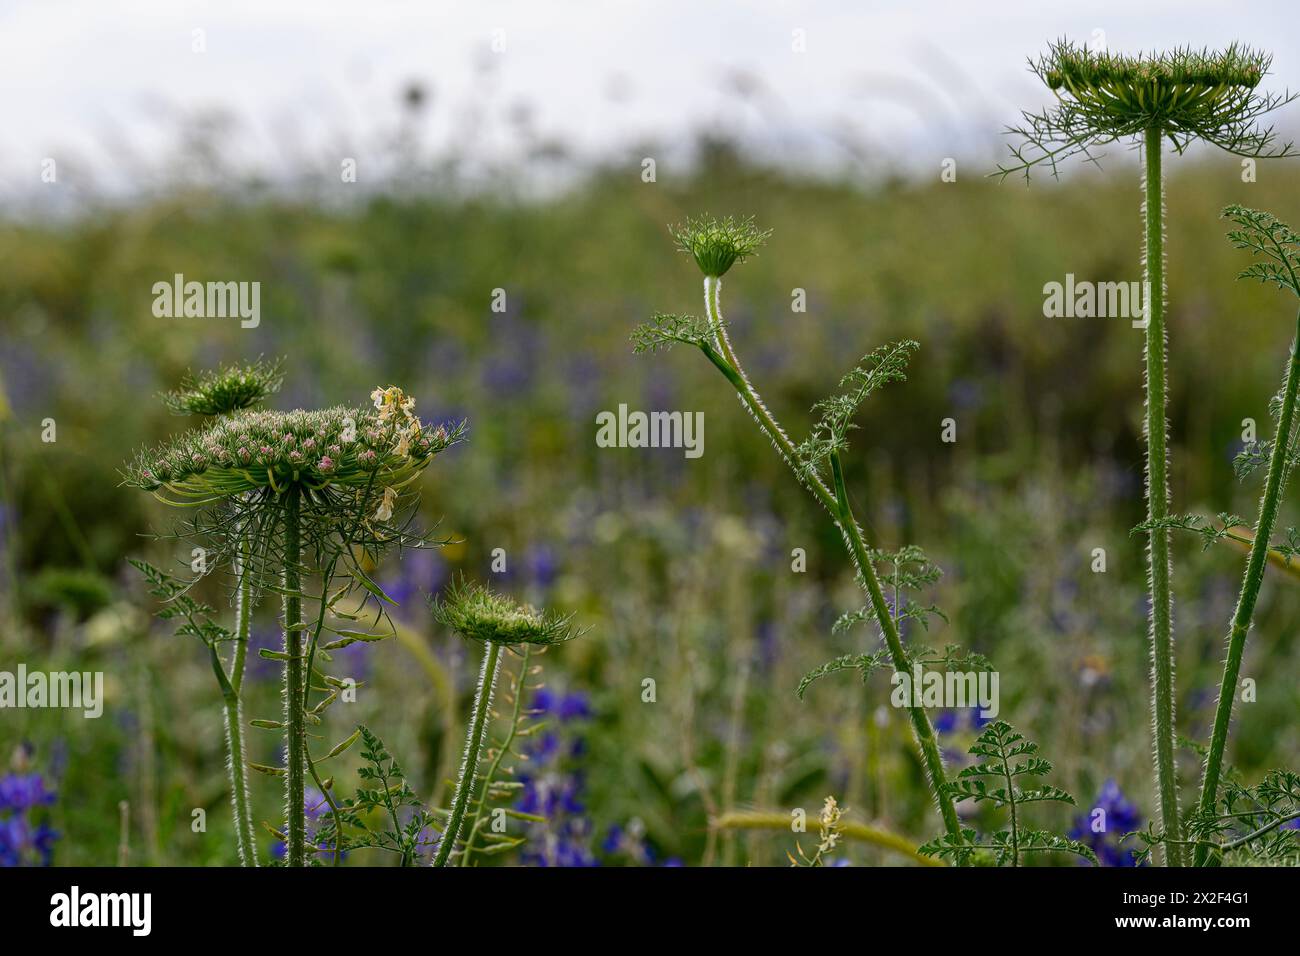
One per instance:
(503,294)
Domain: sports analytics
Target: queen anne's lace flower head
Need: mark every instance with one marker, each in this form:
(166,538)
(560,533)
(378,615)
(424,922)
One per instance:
(252,450)
(1186,94)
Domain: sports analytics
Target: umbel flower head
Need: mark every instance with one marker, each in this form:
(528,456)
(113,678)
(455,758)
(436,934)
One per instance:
(381,447)
(1187,94)
(718,244)
(225,390)
(476,612)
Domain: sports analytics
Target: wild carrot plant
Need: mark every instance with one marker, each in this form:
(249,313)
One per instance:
(284,497)
(817,462)
(1181,96)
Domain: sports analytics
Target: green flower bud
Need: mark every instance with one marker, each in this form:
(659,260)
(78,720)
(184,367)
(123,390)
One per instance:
(225,390)
(718,244)
(475,612)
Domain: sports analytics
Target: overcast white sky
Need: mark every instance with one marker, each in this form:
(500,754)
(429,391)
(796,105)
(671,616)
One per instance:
(107,84)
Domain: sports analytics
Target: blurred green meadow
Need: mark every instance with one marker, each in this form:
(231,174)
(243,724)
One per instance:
(681,568)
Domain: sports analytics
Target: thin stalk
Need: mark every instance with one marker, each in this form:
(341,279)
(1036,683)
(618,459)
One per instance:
(724,357)
(750,398)
(921,726)
(495,767)
(1250,585)
(1262,831)
(239,796)
(852,830)
(294,699)
(1157,490)
(326,578)
(473,741)
(1011,804)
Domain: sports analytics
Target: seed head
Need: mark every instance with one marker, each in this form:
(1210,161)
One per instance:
(251,450)
(475,612)
(225,390)
(1187,94)
(718,244)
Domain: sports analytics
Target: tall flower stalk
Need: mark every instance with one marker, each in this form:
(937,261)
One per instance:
(1278,249)
(477,614)
(1181,96)
(716,245)
(285,496)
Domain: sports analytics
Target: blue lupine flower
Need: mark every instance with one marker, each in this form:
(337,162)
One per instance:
(553,789)
(22,792)
(543,567)
(952,720)
(1121,817)
(315,806)
(420,571)
(630,843)
(24,842)
(571,706)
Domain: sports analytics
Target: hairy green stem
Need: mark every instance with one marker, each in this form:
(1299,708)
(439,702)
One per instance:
(294,698)
(1157,490)
(724,357)
(921,726)
(494,768)
(473,742)
(239,795)
(1250,585)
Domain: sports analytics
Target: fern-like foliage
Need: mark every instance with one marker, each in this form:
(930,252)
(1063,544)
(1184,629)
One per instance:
(901,572)
(1210,531)
(863,663)
(1006,759)
(664,330)
(195,617)
(1256,454)
(384,814)
(953,657)
(1250,826)
(882,366)
(1226,527)
(1276,245)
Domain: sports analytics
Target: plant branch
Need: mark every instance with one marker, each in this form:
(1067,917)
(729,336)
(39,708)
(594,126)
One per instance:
(1250,586)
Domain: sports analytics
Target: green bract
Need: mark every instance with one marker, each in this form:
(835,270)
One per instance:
(475,612)
(267,449)
(1187,94)
(718,244)
(223,391)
